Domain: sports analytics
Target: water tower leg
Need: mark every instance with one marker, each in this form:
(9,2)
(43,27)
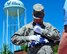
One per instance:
(7,30)
(3,35)
(18,18)
(25,22)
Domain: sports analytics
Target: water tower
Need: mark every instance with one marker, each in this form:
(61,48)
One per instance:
(13,9)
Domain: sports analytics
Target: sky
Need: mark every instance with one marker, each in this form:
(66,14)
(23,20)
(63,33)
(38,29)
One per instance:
(54,13)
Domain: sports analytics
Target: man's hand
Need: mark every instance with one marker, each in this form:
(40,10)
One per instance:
(34,37)
(39,30)
(18,40)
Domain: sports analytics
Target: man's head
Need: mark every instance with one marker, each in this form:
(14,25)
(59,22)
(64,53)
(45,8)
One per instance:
(38,13)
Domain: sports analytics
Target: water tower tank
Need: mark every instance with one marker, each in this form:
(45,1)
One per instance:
(12,6)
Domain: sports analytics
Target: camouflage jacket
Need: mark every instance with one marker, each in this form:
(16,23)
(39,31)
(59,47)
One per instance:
(49,30)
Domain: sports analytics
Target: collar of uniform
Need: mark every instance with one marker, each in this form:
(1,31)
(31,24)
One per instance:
(42,24)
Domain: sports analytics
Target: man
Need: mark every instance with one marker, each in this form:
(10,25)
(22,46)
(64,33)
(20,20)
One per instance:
(63,42)
(35,32)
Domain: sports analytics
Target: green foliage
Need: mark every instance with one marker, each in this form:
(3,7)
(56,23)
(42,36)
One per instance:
(5,50)
(24,47)
(55,49)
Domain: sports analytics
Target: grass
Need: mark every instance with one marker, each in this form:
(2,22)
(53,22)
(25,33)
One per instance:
(55,49)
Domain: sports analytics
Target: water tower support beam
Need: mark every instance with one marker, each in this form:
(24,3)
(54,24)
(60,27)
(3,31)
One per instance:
(18,18)
(7,30)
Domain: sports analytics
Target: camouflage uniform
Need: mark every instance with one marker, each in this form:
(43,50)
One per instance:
(27,30)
